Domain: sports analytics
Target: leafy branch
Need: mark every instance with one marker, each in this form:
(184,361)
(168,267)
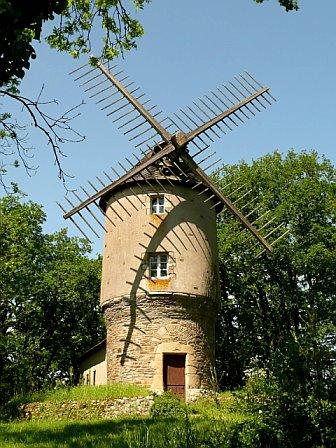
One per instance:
(21,24)
(289,5)
(120,29)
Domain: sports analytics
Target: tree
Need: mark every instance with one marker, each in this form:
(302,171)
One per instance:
(49,307)
(21,25)
(279,311)
(289,5)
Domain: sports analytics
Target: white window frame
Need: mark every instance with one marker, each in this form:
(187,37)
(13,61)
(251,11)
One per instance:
(157,205)
(158,265)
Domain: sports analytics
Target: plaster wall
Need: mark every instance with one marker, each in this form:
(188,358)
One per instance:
(187,231)
(96,362)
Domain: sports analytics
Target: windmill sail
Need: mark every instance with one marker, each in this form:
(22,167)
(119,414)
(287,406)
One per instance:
(121,102)
(169,158)
(222,110)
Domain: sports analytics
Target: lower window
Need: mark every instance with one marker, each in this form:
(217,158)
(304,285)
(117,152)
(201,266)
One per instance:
(158,265)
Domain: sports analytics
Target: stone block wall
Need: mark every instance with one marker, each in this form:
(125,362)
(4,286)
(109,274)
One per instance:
(84,410)
(142,329)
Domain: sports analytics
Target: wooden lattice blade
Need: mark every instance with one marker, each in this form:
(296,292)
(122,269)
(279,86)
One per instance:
(226,201)
(214,114)
(221,110)
(231,111)
(191,173)
(123,102)
(137,105)
(131,173)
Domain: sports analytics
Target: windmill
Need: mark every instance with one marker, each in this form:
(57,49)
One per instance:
(160,228)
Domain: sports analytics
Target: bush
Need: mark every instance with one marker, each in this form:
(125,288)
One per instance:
(253,433)
(295,417)
(10,410)
(167,405)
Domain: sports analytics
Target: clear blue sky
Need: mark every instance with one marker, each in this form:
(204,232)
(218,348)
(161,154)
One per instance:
(190,47)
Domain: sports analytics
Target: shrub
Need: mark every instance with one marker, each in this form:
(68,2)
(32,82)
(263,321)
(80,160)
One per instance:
(295,417)
(253,433)
(167,405)
(10,410)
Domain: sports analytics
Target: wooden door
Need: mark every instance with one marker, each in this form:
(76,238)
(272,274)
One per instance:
(174,374)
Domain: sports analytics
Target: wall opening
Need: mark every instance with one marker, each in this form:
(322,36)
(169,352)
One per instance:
(158,205)
(158,265)
(174,374)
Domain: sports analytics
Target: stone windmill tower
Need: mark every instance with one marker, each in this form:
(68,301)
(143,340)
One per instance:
(159,289)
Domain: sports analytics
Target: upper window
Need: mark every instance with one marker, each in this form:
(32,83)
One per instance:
(158,265)
(158,205)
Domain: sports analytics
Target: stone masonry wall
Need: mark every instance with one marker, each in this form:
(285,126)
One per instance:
(88,409)
(141,329)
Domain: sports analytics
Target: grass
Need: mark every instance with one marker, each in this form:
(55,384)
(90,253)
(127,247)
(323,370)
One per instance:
(48,434)
(208,424)
(225,409)
(86,393)
(117,433)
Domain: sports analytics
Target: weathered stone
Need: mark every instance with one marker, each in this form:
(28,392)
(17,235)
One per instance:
(91,409)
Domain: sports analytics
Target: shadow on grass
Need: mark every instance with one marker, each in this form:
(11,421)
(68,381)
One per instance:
(71,434)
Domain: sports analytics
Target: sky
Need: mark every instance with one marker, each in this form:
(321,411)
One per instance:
(189,48)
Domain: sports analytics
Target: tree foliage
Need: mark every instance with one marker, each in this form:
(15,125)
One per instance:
(74,22)
(289,5)
(278,311)
(21,25)
(49,307)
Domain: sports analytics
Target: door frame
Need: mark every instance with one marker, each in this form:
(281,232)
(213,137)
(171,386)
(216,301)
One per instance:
(172,347)
(164,370)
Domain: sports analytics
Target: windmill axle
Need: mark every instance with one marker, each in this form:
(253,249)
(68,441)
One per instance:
(179,139)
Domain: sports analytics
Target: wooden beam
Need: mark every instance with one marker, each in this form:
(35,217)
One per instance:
(137,169)
(135,103)
(226,201)
(193,134)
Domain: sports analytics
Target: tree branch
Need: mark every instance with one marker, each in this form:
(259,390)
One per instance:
(57,131)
